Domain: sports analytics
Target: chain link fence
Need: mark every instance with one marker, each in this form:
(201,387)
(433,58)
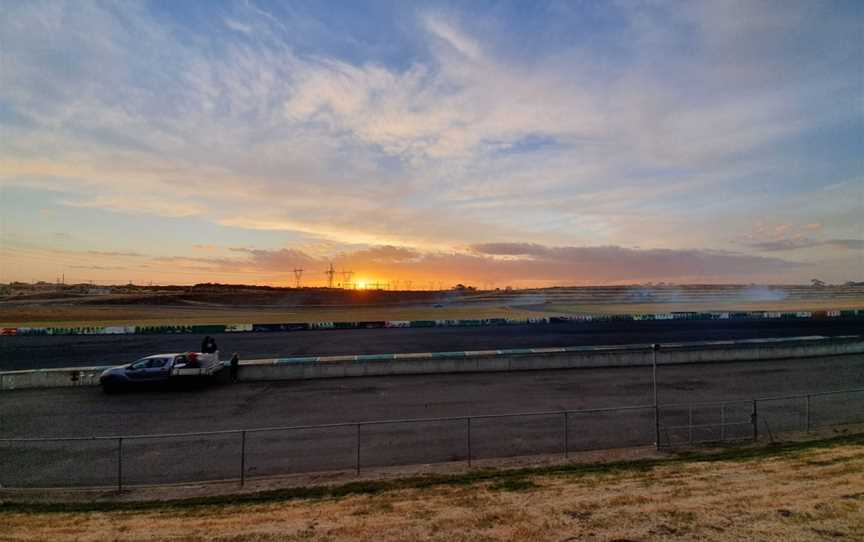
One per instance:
(135,460)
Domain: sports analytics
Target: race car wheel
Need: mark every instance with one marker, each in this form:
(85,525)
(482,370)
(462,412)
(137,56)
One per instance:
(110,387)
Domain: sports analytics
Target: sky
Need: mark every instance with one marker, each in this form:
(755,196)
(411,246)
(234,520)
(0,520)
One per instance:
(496,144)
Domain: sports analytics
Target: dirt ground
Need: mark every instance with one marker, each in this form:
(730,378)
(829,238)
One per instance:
(95,315)
(810,493)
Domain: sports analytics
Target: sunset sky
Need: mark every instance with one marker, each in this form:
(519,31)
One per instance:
(488,143)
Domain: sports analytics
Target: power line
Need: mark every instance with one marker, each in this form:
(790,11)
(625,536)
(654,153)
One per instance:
(330,272)
(346,278)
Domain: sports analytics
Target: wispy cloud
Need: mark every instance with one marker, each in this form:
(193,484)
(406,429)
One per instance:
(452,36)
(428,128)
(802,243)
(138,205)
(238,26)
(789,237)
(112,253)
(98,267)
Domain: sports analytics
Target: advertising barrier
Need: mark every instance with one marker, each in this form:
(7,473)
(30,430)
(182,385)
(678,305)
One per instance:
(118,330)
(32,331)
(422,323)
(397,323)
(371,325)
(299,326)
(158,330)
(380,324)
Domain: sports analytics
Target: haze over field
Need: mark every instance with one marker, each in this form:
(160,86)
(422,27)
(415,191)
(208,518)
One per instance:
(524,144)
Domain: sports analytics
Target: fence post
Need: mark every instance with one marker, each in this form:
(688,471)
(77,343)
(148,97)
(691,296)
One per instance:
(120,464)
(566,437)
(654,349)
(242,458)
(468,439)
(755,417)
(807,415)
(690,425)
(357,453)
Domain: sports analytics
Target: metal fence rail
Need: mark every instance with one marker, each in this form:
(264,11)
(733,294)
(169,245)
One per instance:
(130,460)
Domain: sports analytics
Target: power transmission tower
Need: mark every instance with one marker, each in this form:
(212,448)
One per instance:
(346,278)
(298,274)
(408,284)
(330,272)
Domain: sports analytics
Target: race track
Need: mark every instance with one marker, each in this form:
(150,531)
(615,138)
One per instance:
(86,411)
(31,352)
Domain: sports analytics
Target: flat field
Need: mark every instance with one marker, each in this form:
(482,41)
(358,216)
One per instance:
(807,492)
(88,315)
(720,305)
(59,314)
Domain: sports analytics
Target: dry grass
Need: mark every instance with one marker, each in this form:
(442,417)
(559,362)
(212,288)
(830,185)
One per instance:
(648,308)
(70,315)
(82,315)
(810,494)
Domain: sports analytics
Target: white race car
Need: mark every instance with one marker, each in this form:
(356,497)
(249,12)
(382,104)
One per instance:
(159,369)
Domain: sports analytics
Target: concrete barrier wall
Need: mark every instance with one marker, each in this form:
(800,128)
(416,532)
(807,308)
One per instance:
(313,367)
(51,378)
(547,358)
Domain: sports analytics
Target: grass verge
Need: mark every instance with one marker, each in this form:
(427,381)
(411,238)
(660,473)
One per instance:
(792,492)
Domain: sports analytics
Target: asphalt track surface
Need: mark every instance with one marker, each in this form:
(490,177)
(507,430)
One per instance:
(86,411)
(33,352)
